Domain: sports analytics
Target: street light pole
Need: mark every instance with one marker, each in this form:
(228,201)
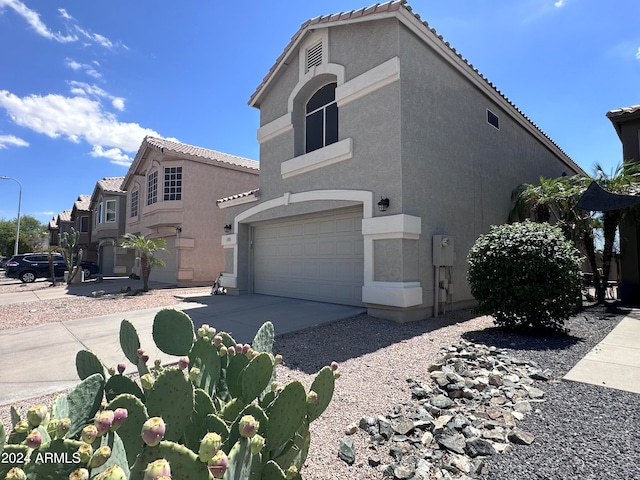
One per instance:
(15,247)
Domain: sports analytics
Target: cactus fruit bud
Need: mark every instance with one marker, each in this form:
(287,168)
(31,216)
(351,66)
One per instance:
(231,351)
(183,363)
(257,444)
(145,357)
(79,474)
(291,472)
(334,366)
(157,363)
(21,427)
(312,397)
(157,469)
(218,464)
(111,370)
(147,381)
(217,340)
(63,426)
(103,421)
(100,457)
(119,416)
(194,373)
(153,431)
(16,474)
(51,428)
(211,332)
(89,434)
(34,439)
(274,386)
(279,389)
(248,426)
(336,374)
(139,352)
(223,351)
(209,446)
(253,353)
(202,332)
(121,368)
(114,472)
(245,348)
(85,451)
(36,415)
(278,359)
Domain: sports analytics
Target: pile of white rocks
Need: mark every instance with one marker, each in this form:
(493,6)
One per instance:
(465,410)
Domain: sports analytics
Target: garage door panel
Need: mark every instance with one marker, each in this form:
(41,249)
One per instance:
(316,258)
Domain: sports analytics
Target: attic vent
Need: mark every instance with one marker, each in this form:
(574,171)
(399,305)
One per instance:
(314,56)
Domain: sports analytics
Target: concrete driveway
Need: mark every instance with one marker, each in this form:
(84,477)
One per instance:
(39,360)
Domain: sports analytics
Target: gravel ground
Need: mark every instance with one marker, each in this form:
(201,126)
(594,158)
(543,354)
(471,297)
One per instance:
(581,431)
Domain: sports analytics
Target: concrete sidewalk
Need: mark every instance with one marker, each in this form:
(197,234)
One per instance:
(615,361)
(38,360)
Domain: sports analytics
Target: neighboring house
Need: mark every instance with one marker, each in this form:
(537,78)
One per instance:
(81,222)
(171,193)
(108,204)
(383,156)
(60,223)
(626,121)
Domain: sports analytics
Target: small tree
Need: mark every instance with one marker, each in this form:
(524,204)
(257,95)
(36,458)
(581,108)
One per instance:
(146,249)
(70,252)
(526,275)
(50,251)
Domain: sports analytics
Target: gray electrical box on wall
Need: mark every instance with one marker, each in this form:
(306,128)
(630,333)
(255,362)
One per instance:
(442,251)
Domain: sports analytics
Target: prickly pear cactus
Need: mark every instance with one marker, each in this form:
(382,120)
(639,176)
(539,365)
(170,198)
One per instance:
(173,332)
(87,363)
(323,385)
(243,464)
(286,415)
(196,429)
(172,398)
(82,403)
(255,377)
(185,464)
(129,341)
(129,431)
(207,360)
(264,338)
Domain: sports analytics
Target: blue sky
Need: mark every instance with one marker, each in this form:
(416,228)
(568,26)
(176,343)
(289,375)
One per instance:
(82,82)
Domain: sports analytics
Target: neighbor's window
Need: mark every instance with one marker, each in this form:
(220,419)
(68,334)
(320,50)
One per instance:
(134,203)
(100,212)
(152,188)
(493,119)
(111,211)
(172,183)
(321,119)
(84,224)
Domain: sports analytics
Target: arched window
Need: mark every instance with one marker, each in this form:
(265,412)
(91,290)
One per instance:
(321,119)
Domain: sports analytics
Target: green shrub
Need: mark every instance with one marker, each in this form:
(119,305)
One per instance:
(526,275)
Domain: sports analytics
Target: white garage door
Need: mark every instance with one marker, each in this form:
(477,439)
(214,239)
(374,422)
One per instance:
(314,258)
(169,273)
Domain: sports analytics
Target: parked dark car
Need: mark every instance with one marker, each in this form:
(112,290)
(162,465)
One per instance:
(29,266)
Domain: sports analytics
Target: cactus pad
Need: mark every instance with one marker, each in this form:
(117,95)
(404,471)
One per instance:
(323,385)
(129,341)
(242,465)
(272,471)
(205,356)
(3,436)
(197,426)
(87,363)
(232,409)
(119,384)
(171,398)
(129,431)
(263,340)
(286,414)
(62,449)
(257,413)
(236,365)
(213,423)
(256,376)
(84,401)
(118,454)
(173,332)
(185,464)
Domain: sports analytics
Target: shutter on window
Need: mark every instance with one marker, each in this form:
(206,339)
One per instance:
(314,56)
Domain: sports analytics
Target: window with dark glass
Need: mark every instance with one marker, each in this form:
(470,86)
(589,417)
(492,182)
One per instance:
(111,211)
(493,119)
(321,119)
(134,203)
(172,184)
(152,188)
(84,224)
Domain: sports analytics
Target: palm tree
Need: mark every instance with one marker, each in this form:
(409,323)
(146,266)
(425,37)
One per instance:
(146,249)
(537,199)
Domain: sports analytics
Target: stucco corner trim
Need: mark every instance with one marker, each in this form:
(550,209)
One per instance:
(275,128)
(238,201)
(334,153)
(392,226)
(229,280)
(393,294)
(384,74)
(230,241)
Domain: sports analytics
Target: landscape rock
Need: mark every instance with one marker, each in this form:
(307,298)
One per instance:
(347,452)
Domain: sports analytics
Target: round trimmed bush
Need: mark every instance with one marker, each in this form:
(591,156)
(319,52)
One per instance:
(526,275)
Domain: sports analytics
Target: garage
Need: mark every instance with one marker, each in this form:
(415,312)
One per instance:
(317,258)
(168,274)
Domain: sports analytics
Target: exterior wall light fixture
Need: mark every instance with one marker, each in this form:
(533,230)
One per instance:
(227,228)
(178,230)
(383,204)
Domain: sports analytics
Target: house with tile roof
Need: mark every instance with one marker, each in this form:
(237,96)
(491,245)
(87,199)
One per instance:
(108,207)
(171,191)
(626,122)
(60,223)
(384,154)
(80,220)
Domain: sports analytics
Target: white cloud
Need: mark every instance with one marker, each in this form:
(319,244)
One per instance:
(560,3)
(638,54)
(33,19)
(86,90)
(77,119)
(13,141)
(87,68)
(118,103)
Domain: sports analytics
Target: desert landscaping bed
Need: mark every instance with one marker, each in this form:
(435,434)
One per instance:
(581,431)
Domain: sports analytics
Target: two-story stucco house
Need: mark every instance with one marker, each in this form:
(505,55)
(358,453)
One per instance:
(108,202)
(60,223)
(171,193)
(383,156)
(81,222)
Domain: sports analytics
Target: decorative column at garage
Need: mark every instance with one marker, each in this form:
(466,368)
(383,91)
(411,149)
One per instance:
(185,273)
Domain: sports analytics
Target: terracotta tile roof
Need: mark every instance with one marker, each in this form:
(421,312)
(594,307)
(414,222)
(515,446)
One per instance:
(623,111)
(165,145)
(53,223)
(383,10)
(64,216)
(82,203)
(255,193)
(111,184)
